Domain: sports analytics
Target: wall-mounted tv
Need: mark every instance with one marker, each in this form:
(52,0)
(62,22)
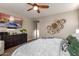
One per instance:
(5,21)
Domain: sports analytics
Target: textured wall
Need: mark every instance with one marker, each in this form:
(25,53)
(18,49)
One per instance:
(69,27)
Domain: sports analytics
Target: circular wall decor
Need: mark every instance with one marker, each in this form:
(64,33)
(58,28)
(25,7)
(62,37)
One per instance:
(56,26)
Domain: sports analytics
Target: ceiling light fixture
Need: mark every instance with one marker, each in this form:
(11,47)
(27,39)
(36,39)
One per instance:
(35,7)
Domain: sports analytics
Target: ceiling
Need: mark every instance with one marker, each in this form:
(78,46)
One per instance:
(55,8)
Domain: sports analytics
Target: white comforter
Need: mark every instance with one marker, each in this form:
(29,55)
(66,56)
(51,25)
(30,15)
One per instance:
(40,47)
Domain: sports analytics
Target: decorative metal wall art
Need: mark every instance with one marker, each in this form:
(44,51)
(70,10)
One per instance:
(56,26)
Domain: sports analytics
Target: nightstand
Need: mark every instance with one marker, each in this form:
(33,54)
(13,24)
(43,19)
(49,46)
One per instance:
(1,47)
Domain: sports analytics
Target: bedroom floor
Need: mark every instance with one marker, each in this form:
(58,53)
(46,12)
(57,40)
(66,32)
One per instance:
(9,51)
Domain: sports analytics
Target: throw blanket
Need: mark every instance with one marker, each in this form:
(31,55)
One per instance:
(73,46)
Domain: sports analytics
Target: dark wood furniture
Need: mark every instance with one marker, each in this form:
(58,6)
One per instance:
(13,40)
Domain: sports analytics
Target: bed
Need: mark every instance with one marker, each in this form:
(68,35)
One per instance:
(41,47)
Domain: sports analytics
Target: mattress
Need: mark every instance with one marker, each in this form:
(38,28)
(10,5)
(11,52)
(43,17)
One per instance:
(40,47)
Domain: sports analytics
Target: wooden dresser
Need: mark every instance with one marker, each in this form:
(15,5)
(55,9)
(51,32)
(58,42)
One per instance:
(13,40)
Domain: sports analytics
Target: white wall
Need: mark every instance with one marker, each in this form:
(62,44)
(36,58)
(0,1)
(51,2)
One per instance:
(27,23)
(69,27)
